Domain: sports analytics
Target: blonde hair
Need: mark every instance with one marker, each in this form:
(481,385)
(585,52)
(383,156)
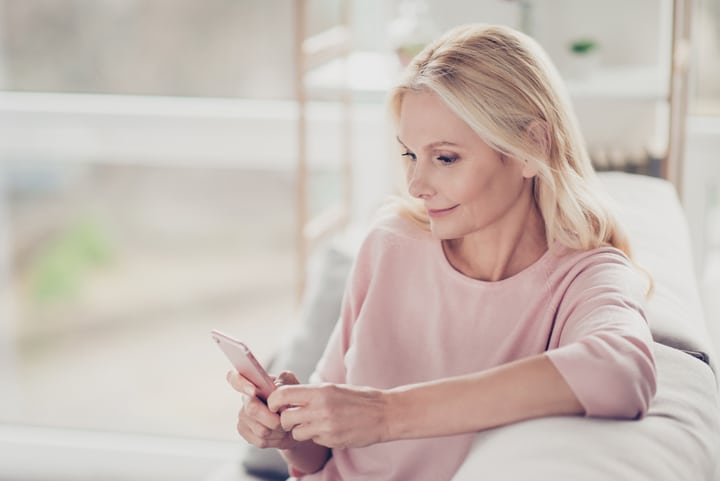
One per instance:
(504,86)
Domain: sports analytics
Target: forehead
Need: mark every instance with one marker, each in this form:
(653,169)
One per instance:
(426,118)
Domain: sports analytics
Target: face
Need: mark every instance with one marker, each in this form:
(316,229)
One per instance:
(467,187)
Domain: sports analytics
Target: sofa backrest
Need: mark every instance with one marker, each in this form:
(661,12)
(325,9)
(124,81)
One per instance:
(650,210)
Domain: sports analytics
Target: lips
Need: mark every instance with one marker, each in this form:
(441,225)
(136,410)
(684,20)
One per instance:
(440,212)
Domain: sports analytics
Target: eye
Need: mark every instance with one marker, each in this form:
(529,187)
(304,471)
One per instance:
(446,159)
(409,155)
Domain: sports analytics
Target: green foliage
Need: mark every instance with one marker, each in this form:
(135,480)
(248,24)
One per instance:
(61,267)
(583,46)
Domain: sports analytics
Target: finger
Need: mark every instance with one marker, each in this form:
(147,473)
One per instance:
(241,384)
(286,378)
(303,432)
(259,431)
(295,395)
(255,409)
(246,430)
(258,435)
(294,416)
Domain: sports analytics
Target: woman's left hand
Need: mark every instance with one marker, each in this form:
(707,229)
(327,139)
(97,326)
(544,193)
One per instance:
(333,415)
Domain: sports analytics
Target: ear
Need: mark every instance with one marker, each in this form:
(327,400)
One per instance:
(529,169)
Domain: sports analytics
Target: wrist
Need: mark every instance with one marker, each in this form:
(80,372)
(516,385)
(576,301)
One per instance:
(306,457)
(396,414)
(289,445)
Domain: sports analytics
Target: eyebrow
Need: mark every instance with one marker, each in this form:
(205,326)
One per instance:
(432,145)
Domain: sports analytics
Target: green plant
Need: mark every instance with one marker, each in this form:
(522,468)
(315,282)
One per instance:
(583,46)
(61,267)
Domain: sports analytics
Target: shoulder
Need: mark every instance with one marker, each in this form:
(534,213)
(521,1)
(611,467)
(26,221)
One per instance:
(600,256)
(600,268)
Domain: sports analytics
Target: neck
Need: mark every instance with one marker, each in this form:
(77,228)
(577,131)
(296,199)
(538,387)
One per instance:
(507,247)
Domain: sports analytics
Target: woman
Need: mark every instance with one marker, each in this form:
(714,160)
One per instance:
(501,291)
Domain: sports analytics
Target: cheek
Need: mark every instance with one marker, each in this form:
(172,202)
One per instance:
(488,195)
(473,188)
(409,168)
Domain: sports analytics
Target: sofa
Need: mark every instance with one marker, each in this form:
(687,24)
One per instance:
(678,439)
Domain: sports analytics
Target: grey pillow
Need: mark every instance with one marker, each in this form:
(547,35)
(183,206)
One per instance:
(320,310)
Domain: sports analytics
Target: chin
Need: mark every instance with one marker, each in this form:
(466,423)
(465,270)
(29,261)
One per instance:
(445,233)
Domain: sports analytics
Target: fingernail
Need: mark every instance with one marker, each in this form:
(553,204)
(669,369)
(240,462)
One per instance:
(249,391)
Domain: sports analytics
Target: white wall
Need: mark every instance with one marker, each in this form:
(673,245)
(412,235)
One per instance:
(616,113)
(628,32)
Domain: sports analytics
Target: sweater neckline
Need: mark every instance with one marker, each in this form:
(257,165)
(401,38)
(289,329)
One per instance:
(529,270)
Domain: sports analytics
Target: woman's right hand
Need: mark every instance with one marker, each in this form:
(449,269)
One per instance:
(257,424)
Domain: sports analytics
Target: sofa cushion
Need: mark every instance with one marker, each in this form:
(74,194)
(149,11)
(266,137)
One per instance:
(679,438)
(650,210)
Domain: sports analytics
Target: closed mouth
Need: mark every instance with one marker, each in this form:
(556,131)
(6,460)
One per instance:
(441,211)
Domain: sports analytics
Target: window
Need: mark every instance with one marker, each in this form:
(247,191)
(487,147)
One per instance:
(140,210)
(706,57)
(163,47)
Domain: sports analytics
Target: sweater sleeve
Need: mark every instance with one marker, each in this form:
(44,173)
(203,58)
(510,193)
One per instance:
(604,348)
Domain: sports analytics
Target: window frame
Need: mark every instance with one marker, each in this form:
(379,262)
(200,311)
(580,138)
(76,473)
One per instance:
(163,131)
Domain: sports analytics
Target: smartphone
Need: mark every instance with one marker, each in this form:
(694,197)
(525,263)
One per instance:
(245,363)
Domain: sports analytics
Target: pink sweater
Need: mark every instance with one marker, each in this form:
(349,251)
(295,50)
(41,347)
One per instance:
(408,316)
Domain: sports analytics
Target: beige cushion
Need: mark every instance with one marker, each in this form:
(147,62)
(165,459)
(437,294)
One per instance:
(650,210)
(677,440)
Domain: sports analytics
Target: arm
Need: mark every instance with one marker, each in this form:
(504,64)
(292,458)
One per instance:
(520,390)
(602,365)
(603,345)
(348,416)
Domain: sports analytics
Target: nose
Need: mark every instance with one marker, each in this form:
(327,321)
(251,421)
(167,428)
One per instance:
(418,180)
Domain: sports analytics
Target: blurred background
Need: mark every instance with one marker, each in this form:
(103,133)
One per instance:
(150,188)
